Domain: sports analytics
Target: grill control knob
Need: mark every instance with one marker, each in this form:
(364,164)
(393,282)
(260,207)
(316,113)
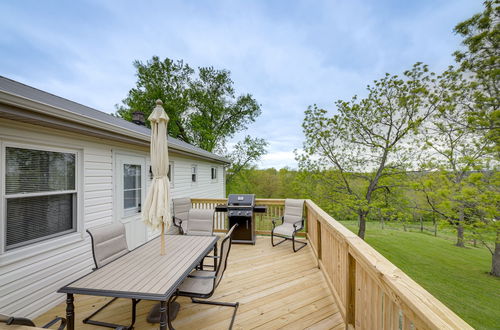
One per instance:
(239,212)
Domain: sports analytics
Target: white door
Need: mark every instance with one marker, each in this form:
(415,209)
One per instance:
(130,192)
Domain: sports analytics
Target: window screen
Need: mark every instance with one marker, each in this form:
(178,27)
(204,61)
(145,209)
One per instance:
(132,188)
(214,173)
(40,195)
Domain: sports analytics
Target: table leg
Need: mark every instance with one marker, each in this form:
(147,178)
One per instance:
(170,303)
(163,315)
(70,312)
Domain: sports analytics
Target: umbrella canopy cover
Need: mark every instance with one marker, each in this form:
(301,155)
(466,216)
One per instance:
(156,208)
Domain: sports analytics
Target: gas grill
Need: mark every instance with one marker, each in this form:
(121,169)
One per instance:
(240,210)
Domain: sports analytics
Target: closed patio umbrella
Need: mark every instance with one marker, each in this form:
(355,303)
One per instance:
(156,208)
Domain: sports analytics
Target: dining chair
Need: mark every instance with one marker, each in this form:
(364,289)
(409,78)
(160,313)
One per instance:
(108,244)
(201,284)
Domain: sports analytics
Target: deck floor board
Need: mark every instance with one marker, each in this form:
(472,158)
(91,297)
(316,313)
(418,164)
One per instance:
(276,289)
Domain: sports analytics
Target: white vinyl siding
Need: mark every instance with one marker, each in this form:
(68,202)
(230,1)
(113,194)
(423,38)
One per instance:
(30,278)
(205,187)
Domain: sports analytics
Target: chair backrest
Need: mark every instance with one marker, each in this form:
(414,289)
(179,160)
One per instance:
(225,247)
(181,207)
(200,222)
(108,243)
(293,210)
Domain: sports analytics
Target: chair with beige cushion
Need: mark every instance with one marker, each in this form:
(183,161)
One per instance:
(291,222)
(202,283)
(180,210)
(108,244)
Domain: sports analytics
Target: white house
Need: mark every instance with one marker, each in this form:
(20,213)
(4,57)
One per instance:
(65,167)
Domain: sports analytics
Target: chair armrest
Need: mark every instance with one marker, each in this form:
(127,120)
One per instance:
(177,224)
(54,321)
(203,277)
(301,224)
(20,321)
(213,257)
(277,219)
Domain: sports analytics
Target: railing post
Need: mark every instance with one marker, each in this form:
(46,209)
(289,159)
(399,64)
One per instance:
(350,304)
(318,239)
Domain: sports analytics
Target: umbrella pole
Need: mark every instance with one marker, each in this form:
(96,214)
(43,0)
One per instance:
(162,251)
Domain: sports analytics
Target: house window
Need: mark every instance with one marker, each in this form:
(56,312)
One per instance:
(214,173)
(132,188)
(194,170)
(40,193)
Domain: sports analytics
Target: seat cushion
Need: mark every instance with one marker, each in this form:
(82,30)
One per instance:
(285,229)
(201,286)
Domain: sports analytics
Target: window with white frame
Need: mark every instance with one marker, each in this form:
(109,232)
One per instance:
(132,189)
(194,172)
(214,173)
(40,195)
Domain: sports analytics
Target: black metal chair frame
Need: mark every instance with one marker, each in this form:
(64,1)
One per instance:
(29,323)
(193,296)
(178,225)
(285,238)
(88,319)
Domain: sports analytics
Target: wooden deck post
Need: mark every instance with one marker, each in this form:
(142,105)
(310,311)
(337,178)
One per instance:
(318,239)
(350,304)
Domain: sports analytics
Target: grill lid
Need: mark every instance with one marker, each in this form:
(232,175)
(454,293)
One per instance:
(241,200)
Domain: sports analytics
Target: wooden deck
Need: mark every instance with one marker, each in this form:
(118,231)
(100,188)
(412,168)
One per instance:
(276,288)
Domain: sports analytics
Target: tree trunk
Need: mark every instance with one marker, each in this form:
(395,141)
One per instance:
(362,224)
(460,235)
(460,229)
(495,260)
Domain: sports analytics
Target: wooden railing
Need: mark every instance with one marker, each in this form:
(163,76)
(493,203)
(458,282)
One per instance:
(369,290)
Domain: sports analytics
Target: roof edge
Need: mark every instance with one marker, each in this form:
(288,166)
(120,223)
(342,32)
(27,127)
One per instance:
(61,113)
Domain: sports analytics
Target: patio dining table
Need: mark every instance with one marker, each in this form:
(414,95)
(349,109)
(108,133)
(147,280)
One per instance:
(143,274)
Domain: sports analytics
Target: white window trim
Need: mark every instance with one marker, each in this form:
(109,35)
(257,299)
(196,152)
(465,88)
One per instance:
(43,246)
(120,212)
(195,166)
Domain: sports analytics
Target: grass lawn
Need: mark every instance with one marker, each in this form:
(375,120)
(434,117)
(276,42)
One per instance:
(456,276)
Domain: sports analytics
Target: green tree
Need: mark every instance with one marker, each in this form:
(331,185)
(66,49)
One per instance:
(202,105)
(166,80)
(368,139)
(455,151)
(244,155)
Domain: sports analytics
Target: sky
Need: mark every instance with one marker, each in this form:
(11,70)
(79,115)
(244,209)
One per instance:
(287,54)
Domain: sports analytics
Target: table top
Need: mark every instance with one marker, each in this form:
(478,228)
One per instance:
(145,274)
